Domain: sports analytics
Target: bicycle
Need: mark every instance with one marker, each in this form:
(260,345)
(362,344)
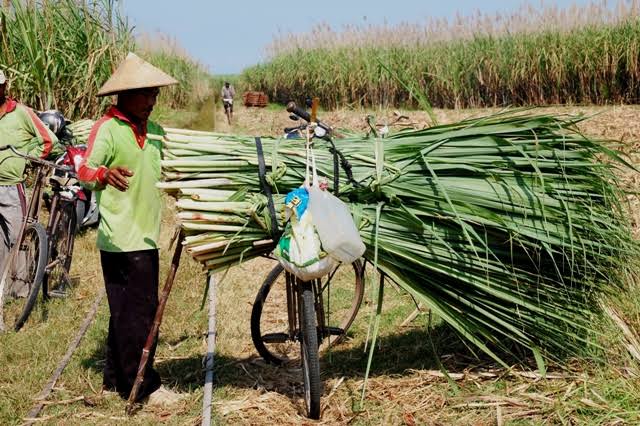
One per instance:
(228,109)
(41,258)
(312,319)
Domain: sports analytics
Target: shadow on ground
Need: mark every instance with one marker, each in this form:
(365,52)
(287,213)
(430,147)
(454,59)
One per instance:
(414,349)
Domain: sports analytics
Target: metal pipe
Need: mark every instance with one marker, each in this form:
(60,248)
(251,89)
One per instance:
(211,347)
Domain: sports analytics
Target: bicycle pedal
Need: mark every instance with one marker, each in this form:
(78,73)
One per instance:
(275,337)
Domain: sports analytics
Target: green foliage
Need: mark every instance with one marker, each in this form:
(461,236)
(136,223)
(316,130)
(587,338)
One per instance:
(58,53)
(58,56)
(195,83)
(590,64)
(508,227)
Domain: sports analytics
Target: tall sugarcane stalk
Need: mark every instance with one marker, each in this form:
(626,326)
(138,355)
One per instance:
(509,227)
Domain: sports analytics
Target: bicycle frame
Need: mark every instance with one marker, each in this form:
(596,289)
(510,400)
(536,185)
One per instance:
(293,297)
(31,216)
(307,320)
(35,200)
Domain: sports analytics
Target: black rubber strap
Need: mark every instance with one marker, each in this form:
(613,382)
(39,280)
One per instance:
(266,190)
(336,174)
(346,166)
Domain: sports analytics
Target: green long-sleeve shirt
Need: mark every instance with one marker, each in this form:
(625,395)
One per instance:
(130,220)
(21,127)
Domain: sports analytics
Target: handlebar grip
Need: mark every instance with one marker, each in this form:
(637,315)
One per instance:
(4,148)
(295,109)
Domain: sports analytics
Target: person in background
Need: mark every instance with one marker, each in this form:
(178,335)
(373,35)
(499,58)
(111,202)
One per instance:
(227,94)
(123,166)
(21,128)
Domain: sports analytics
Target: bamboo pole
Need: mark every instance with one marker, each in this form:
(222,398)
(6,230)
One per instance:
(211,347)
(175,262)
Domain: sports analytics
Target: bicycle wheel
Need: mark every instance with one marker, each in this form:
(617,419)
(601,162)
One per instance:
(342,294)
(62,238)
(273,336)
(25,275)
(309,350)
(81,208)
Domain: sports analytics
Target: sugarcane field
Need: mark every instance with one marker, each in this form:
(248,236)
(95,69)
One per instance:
(343,213)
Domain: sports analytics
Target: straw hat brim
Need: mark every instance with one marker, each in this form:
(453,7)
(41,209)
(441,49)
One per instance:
(135,73)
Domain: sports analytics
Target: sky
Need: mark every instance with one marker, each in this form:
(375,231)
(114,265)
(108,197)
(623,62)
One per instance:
(229,36)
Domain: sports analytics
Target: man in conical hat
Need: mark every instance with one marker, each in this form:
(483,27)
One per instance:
(122,164)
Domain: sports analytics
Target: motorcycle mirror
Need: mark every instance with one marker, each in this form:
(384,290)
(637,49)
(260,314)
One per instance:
(294,117)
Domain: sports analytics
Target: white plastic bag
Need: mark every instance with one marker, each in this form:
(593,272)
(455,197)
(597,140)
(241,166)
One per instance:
(299,249)
(334,224)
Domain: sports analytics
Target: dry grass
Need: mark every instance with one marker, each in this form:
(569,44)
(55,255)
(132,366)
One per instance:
(538,55)
(407,384)
(528,19)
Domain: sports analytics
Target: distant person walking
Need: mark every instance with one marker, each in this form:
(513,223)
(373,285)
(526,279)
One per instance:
(227,94)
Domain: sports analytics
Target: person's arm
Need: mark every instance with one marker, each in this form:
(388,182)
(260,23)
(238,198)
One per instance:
(93,169)
(232,91)
(44,142)
(95,172)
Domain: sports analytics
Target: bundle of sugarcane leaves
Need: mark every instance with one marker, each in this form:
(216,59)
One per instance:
(509,227)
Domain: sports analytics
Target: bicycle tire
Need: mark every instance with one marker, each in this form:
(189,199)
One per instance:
(81,208)
(36,274)
(256,314)
(355,305)
(61,244)
(263,294)
(309,352)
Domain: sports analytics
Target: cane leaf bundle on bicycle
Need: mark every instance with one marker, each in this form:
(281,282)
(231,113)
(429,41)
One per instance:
(509,227)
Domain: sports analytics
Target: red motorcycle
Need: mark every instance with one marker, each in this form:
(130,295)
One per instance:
(84,200)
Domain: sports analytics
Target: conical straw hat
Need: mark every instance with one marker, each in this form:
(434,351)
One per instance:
(135,73)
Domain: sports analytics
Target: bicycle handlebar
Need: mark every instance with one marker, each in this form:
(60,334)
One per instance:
(291,129)
(37,160)
(295,109)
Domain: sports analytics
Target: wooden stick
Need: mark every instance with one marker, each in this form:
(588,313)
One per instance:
(64,401)
(175,262)
(412,316)
(33,413)
(211,346)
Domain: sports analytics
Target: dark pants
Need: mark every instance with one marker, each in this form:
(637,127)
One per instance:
(131,280)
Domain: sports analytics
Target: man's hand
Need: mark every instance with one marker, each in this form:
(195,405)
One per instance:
(117,177)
